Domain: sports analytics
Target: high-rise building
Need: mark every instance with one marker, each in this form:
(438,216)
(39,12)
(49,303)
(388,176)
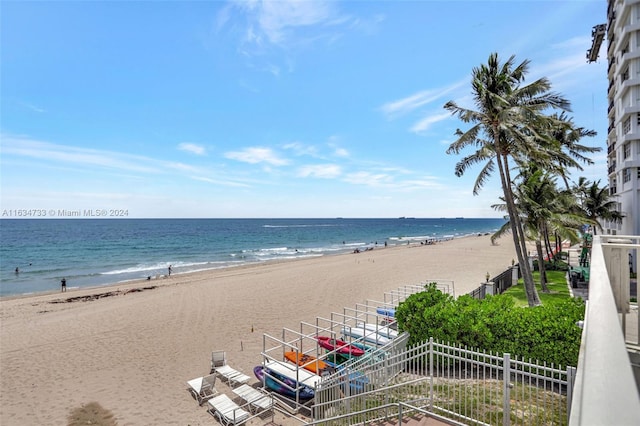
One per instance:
(622,32)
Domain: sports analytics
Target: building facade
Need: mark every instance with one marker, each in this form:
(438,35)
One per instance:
(623,138)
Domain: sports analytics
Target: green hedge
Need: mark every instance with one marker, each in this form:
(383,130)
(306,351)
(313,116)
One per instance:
(544,333)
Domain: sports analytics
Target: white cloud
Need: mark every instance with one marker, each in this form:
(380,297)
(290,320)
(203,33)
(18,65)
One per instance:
(415,101)
(192,148)
(341,152)
(369,179)
(301,149)
(278,22)
(262,25)
(33,107)
(276,17)
(113,163)
(257,155)
(425,123)
(84,157)
(324,171)
(181,167)
(220,182)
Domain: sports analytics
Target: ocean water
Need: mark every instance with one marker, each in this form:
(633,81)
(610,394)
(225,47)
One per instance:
(94,252)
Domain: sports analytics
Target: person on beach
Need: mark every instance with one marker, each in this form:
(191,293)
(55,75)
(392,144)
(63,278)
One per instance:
(63,284)
(169,270)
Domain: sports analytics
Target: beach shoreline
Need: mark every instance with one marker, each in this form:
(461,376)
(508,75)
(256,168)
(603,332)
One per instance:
(134,350)
(38,254)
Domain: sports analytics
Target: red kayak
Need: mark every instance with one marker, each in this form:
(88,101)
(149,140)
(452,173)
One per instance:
(341,346)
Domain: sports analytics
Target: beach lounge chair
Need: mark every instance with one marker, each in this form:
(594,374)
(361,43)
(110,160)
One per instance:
(231,375)
(218,359)
(203,388)
(257,400)
(227,412)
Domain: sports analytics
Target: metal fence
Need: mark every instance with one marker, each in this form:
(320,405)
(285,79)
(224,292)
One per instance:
(506,279)
(464,385)
(498,284)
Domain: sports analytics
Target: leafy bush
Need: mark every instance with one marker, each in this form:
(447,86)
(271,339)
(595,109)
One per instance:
(544,333)
(554,265)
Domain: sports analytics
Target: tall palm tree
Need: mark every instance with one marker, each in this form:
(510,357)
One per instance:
(597,203)
(572,153)
(506,125)
(542,204)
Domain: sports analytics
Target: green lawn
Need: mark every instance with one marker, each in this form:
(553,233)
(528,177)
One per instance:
(558,286)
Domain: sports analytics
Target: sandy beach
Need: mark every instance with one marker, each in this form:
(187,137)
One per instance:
(133,352)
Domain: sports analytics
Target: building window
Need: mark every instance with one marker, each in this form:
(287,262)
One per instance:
(626,175)
(627,150)
(625,75)
(626,126)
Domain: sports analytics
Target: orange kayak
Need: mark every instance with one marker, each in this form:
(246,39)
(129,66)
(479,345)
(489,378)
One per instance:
(307,362)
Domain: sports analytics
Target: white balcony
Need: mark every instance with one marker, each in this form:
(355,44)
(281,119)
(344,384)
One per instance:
(605,391)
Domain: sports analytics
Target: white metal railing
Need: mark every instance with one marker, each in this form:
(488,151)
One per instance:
(452,382)
(605,391)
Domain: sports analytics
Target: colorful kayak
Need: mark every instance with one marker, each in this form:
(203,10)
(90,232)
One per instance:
(266,376)
(387,312)
(309,362)
(365,335)
(380,329)
(339,346)
(355,379)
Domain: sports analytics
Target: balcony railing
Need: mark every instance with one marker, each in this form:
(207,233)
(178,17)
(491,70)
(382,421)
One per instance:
(605,391)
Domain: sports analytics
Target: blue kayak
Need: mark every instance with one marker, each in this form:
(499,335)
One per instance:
(387,312)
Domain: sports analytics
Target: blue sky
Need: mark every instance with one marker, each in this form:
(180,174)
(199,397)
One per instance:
(268,109)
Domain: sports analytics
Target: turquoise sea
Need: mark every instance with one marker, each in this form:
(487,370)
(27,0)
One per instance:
(94,252)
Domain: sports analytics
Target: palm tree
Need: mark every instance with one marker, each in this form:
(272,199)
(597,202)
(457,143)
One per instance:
(572,152)
(506,125)
(596,203)
(542,204)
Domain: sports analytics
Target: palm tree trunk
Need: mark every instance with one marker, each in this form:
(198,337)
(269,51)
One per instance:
(541,267)
(516,227)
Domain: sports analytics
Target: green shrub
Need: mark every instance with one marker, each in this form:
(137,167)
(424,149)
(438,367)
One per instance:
(544,333)
(553,265)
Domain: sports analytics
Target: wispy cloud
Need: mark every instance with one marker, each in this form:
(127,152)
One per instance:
(220,182)
(112,163)
(181,167)
(192,148)
(33,107)
(394,179)
(286,25)
(256,155)
(323,171)
(568,61)
(340,152)
(417,100)
(424,124)
(301,149)
(276,19)
(369,179)
(84,157)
